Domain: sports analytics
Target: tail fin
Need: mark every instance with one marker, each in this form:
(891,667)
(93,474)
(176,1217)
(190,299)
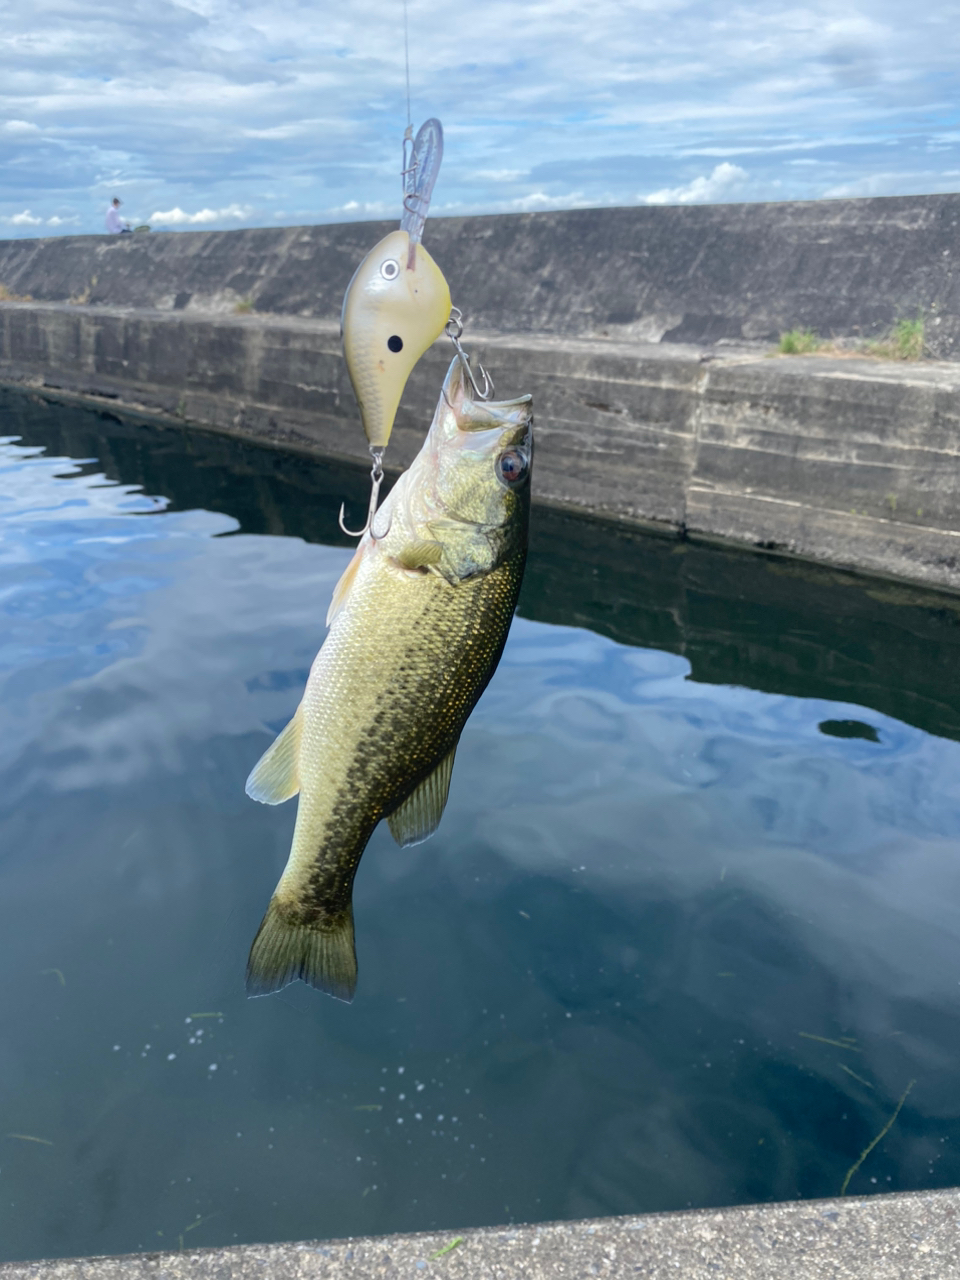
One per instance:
(285,950)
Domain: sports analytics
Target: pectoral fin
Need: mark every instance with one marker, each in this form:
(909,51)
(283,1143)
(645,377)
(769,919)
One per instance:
(276,775)
(419,816)
(342,589)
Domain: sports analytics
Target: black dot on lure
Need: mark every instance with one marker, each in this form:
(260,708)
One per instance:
(395,342)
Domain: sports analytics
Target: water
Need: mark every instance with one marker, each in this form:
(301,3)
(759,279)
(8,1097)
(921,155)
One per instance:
(686,934)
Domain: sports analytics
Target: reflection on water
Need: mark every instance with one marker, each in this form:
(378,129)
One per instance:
(688,929)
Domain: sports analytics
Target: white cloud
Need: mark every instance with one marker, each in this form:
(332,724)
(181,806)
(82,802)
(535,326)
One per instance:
(725,181)
(194,107)
(57,221)
(501,175)
(356,209)
(25,219)
(535,200)
(892,184)
(178,218)
(543,200)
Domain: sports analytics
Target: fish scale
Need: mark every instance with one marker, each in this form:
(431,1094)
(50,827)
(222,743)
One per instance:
(410,649)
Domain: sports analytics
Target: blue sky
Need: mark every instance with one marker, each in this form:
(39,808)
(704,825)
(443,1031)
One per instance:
(230,113)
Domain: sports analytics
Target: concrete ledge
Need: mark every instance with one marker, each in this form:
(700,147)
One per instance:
(849,461)
(893,1237)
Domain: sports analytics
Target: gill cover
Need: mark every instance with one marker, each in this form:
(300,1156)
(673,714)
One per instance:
(392,312)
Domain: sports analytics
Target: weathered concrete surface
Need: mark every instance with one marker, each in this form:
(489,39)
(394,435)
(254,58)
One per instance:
(852,462)
(692,274)
(898,1237)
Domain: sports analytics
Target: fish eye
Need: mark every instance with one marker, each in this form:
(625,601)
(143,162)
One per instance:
(512,466)
(395,342)
(390,269)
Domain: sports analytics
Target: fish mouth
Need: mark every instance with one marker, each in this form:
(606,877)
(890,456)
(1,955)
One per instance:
(480,415)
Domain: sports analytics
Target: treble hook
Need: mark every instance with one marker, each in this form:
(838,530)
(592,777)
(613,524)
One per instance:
(454,331)
(376,479)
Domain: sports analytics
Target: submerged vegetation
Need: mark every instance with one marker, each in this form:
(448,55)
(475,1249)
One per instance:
(880,1136)
(905,341)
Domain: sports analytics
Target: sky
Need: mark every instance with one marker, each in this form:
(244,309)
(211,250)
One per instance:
(229,113)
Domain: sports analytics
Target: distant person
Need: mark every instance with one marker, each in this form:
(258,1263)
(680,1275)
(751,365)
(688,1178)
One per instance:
(114,225)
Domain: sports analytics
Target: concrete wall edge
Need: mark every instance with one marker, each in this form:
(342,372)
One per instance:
(905,1236)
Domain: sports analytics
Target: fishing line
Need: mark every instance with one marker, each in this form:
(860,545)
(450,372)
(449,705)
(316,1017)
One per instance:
(406,58)
(418,305)
(408,177)
(407,166)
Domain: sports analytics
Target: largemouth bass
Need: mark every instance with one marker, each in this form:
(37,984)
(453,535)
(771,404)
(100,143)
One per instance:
(417,626)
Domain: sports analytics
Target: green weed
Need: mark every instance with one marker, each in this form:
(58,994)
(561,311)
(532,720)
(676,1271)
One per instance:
(799,342)
(882,1134)
(447,1248)
(905,341)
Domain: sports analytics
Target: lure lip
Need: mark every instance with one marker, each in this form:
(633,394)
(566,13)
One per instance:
(419,178)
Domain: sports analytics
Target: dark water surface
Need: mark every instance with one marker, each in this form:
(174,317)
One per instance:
(688,930)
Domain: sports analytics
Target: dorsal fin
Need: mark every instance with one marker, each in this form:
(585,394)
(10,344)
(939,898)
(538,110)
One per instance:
(276,775)
(342,589)
(419,816)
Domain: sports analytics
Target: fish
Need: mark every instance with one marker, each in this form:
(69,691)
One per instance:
(395,307)
(417,625)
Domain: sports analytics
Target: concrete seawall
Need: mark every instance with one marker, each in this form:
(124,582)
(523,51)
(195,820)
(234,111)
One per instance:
(697,274)
(644,335)
(853,462)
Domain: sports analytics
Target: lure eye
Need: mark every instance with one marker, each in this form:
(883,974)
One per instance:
(512,466)
(395,342)
(390,269)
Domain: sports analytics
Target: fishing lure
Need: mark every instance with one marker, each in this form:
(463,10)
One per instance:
(395,308)
(398,302)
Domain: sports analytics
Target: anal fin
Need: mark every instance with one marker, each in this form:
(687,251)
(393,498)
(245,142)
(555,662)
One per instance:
(419,816)
(276,775)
